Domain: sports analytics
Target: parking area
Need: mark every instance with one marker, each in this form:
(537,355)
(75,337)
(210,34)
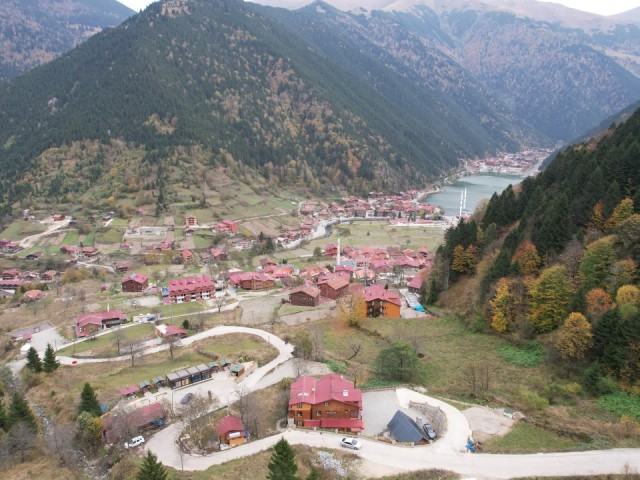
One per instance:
(379,408)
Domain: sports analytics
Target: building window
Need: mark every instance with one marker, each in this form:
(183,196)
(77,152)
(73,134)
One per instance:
(326,404)
(300,405)
(318,413)
(354,414)
(298,414)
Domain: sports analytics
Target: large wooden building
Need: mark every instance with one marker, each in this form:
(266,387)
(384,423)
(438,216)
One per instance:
(382,302)
(252,281)
(305,296)
(328,402)
(93,322)
(191,289)
(135,283)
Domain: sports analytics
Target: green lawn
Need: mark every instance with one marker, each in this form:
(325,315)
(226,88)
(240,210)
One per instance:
(20,229)
(71,238)
(527,438)
(104,344)
(109,236)
(203,239)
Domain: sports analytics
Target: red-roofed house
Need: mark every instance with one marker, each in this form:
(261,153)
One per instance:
(218,254)
(191,289)
(227,226)
(328,402)
(382,302)
(170,331)
(333,286)
(48,276)
(416,282)
(231,431)
(93,322)
(278,271)
(187,256)
(12,274)
(135,283)
(117,424)
(123,266)
(252,281)
(33,295)
(190,221)
(331,250)
(305,296)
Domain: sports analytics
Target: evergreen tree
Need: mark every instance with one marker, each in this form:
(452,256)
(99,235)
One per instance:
(550,297)
(89,401)
(33,360)
(4,421)
(151,469)
(19,411)
(50,362)
(282,465)
(398,362)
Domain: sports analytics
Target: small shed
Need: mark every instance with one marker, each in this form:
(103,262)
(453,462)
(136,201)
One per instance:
(144,386)
(130,392)
(237,369)
(214,367)
(231,431)
(158,381)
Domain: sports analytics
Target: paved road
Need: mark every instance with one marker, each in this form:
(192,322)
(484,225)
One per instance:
(381,459)
(28,242)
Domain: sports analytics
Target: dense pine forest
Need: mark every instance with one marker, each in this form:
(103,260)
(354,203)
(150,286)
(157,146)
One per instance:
(555,261)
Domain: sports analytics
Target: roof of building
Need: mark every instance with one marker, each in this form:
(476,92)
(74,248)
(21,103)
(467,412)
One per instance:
(329,387)
(190,285)
(404,429)
(137,278)
(378,292)
(171,330)
(313,292)
(230,424)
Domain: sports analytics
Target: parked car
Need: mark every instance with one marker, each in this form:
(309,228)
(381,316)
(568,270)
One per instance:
(135,441)
(348,442)
(428,429)
(187,398)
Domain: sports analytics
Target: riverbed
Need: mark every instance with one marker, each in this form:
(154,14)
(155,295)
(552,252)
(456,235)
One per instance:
(479,186)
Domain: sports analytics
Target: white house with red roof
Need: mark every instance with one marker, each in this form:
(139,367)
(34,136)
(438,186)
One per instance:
(328,402)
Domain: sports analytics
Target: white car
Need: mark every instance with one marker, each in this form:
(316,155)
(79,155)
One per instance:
(135,441)
(348,442)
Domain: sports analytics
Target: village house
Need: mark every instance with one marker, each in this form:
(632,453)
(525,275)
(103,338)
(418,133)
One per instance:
(218,254)
(69,249)
(34,256)
(33,295)
(169,332)
(381,302)
(329,402)
(415,284)
(10,285)
(116,424)
(190,221)
(135,282)
(123,266)
(279,271)
(334,285)
(58,217)
(331,250)
(231,431)
(252,281)
(49,276)
(305,296)
(89,323)
(11,274)
(191,289)
(229,227)
(90,252)
(187,257)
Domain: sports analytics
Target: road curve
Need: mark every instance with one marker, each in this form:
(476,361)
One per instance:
(382,459)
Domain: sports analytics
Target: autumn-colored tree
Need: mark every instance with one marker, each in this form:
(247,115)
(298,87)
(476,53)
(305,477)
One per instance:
(596,263)
(622,272)
(527,258)
(628,295)
(598,302)
(597,220)
(574,338)
(622,211)
(501,307)
(550,297)
(459,262)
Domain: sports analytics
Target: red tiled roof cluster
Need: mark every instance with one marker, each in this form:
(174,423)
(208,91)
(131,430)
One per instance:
(180,286)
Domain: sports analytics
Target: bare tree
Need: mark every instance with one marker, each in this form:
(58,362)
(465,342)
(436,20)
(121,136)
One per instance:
(172,341)
(133,349)
(317,341)
(118,338)
(21,440)
(62,437)
(355,349)
(195,408)
(477,377)
(218,302)
(357,372)
(250,408)
(198,322)
(82,297)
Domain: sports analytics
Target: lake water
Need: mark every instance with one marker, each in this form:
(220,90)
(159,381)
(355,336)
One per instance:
(478,187)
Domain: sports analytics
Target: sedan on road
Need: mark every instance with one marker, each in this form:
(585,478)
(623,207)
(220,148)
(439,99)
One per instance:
(348,442)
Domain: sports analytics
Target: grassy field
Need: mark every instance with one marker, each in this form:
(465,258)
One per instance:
(527,438)
(249,347)
(20,229)
(104,345)
(71,238)
(109,236)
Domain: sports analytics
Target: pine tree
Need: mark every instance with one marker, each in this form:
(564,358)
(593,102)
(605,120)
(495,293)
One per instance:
(282,465)
(33,360)
(19,411)
(50,362)
(89,401)
(151,469)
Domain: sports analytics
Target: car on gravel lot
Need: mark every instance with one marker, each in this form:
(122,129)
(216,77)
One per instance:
(348,442)
(135,441)
(187,398)
(431,433)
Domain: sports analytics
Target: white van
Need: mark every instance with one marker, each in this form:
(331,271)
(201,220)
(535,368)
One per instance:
(135,441)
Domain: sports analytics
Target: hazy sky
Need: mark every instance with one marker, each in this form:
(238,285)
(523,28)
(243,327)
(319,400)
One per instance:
(603,7)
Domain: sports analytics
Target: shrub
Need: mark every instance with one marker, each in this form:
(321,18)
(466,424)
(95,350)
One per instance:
(621,404)
(336,366)
(528,357)
(532,400)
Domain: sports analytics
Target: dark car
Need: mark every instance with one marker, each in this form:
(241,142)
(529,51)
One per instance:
(431,433)
(187,398)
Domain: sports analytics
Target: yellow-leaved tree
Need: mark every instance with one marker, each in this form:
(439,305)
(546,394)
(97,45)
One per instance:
(574,337)
(502,307)
(598,302)
(527,258)
(550,297)
(628,295)
(622,211)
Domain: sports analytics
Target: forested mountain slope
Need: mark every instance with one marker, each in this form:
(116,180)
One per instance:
(33,32)
(557,257)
